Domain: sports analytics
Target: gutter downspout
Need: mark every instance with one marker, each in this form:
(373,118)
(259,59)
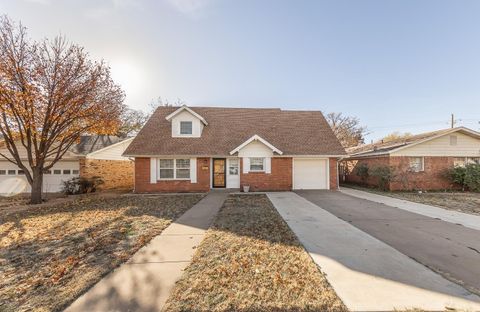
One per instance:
(338,172)
(133,174)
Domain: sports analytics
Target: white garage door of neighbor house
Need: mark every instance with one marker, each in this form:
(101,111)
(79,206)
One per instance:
(13,181)
(310,174)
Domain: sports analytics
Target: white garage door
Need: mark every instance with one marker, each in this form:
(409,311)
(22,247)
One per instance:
(310,174)
(13,181)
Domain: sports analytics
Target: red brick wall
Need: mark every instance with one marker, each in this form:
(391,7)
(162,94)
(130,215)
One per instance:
(279,180)
(351,165)
(116,174)
(143,185)
(333,174)
(429,179)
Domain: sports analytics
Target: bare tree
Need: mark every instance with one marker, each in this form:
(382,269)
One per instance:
(396,136)
(164,102)
(347,129)
(131,122)
(50,94)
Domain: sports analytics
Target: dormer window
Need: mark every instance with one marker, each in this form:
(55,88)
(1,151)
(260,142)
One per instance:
(186,127)
(186,123)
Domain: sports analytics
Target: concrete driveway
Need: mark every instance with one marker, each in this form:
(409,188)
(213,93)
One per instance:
(365,272)
(449,249)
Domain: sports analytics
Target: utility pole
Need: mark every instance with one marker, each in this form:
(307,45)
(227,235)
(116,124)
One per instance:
(453,121)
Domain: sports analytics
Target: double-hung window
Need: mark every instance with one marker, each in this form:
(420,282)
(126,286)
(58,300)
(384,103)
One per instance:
(473,160)
(257,164)
(182,168)
(167,169)
(186,127)
(416,164)
(459,162)
(463,161)
(170,169)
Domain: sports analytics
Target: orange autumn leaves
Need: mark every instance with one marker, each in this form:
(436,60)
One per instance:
(51,92)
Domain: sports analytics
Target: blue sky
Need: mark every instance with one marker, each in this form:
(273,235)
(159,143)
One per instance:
(397,65)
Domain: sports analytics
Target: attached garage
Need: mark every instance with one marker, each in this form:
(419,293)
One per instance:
(310,174)
(13,180)
(93,156)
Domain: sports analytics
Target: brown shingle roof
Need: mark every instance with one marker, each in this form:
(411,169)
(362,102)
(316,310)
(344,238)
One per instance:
(385,147)
(92,143)
(292,132)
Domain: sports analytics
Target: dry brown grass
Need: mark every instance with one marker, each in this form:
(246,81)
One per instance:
(51,254)
(462,202)
(251,261)
(465,202)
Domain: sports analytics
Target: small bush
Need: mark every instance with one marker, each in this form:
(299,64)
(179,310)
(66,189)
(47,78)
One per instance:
(467,177)
(362,171)
(456,175)
(384,174)
(79,185)
(472,177)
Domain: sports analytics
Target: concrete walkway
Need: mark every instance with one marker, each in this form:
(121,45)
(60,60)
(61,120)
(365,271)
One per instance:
(367,274)
(465,219)
(145,281)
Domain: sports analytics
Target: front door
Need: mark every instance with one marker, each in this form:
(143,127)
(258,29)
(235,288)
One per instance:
(219,165)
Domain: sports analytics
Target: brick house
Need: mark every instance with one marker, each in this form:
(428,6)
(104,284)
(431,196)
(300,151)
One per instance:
(183,149)
(93,156)
(419,161)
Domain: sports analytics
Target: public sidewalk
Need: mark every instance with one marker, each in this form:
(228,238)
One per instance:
(465,219)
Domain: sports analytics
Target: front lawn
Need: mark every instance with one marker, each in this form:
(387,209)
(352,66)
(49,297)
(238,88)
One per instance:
(251,261)
(51,254)
(466,202)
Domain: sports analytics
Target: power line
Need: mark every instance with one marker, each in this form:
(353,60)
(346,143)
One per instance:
(455,121)
(409,125)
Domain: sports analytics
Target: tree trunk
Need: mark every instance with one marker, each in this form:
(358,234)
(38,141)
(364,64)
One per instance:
(36,194)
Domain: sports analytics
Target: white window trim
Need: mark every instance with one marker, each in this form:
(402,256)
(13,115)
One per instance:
(423,164)
(470,157)
(465,160)
(250,165)
(174,170)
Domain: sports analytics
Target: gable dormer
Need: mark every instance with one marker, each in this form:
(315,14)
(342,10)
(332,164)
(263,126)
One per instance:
(186,123)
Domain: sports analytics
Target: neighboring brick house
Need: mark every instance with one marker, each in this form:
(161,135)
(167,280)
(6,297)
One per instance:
(194,149)
(93,156)
(102,157)
(419,162)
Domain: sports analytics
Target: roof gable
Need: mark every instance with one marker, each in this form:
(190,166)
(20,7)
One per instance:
(91,143)
(259,139)
(185,108)
(398,145)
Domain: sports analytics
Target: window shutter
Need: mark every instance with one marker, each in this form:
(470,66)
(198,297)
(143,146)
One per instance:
(268,165)
(246,164)
(153,170)
(193,170)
